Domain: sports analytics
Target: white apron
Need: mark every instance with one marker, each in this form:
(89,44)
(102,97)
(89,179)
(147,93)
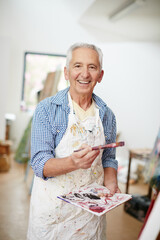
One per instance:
(54,219)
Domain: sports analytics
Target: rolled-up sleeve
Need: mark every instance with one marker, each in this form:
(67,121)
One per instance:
(109,154)
(42,141)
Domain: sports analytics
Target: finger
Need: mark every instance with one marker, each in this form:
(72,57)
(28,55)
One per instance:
(89,158)
(112,191)
(93,154)
(110,194)
(83,152)
(96,152)
(118,190)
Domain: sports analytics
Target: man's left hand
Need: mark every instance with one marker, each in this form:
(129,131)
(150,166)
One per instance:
(110,181)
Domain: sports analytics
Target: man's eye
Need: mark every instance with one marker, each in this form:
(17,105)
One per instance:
(92,67)
(77,66)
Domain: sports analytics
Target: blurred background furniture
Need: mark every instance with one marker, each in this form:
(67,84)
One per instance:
(5,155)
(141,154)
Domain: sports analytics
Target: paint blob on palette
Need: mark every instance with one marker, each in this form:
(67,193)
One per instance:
(95,199)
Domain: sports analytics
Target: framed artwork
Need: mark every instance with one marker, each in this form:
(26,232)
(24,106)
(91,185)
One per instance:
(40,68)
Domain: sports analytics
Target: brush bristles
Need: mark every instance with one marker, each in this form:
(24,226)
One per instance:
(120,144)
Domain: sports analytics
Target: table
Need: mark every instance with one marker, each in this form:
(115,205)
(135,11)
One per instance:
(5,147)
(5,155)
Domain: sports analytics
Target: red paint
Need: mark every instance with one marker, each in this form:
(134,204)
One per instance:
(97,209)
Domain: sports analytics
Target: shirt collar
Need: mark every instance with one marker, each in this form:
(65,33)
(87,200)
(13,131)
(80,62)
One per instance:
(61,98)
(99,102)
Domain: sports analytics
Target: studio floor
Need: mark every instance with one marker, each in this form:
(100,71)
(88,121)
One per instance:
(14,208)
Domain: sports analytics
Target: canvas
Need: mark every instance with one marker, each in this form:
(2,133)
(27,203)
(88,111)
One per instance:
(152,167)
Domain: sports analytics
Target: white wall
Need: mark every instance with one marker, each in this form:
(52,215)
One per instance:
(41,26)
(132,72)
(131,88)
(4,81)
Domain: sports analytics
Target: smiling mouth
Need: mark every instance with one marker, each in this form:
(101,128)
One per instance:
(84,82)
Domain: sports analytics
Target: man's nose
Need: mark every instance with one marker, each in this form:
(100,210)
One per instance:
(85,72)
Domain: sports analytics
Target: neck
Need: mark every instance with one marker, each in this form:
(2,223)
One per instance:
(82,100)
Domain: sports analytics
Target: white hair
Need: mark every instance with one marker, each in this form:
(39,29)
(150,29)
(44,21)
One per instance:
(83,45)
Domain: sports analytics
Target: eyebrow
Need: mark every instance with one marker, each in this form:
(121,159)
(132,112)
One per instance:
(87,64)
(77,63)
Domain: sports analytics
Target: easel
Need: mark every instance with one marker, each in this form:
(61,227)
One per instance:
(151,227)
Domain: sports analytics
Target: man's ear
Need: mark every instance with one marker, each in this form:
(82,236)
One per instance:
(66,73)
(101,76)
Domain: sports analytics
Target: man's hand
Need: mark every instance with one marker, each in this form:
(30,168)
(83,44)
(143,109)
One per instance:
(82,159)
(85,157)
(113,187)
(110,181)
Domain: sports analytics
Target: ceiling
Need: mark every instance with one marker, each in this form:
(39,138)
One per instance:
(140,24)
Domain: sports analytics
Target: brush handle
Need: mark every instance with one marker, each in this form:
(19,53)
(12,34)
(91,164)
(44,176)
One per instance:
(110,145)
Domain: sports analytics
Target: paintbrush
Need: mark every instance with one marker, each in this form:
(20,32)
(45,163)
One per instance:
(110,145)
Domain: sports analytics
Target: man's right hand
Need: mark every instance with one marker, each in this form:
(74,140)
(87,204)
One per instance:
(82,159)
(85,157)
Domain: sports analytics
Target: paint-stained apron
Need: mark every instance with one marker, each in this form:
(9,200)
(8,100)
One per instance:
(53,219)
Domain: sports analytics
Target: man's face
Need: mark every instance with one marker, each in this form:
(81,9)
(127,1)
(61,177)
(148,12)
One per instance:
(84,71)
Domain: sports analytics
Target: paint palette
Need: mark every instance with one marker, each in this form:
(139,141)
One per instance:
(95,199)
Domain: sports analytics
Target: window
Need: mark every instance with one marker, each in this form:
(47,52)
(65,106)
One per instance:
(37,67)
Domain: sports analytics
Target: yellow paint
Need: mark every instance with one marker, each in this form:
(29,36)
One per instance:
(75,144)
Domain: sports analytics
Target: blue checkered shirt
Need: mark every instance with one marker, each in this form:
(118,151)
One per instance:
(50,122)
